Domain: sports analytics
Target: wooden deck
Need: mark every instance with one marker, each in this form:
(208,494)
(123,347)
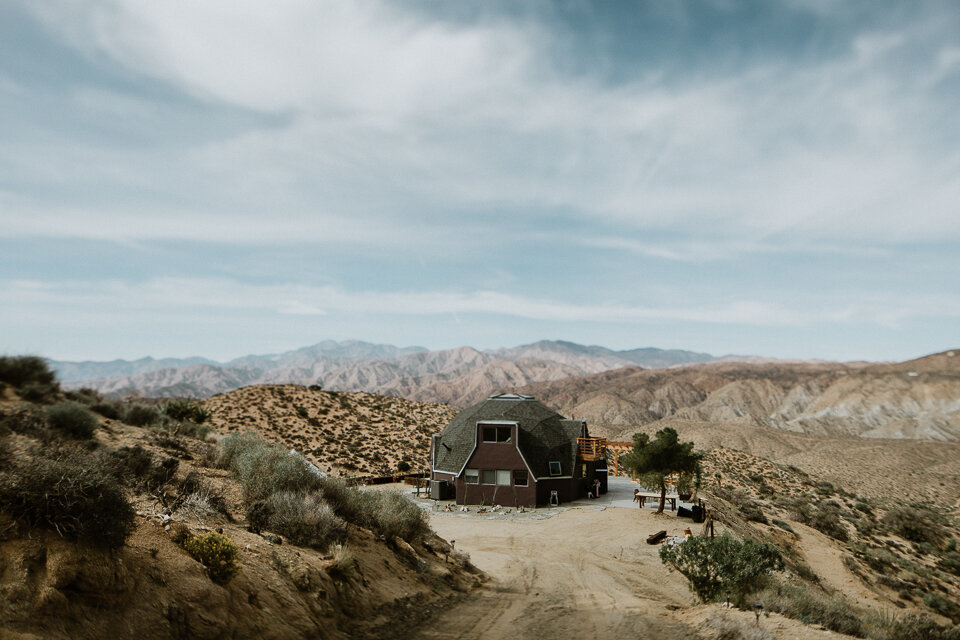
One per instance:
(591,449)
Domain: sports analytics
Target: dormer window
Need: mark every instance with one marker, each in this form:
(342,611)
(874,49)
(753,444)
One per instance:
(554,468)
(497,434)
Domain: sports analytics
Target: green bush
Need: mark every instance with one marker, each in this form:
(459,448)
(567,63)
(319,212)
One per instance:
(916,525)
(304,519)
(183,409)
(783,525)
(823,516)
(18,371)
(217,553)
(143,415)
(944,606)
(950,562)
(194,430)
(72,496)
(40,393)
(72,419)
(264,469)
(108,409)
(714,565)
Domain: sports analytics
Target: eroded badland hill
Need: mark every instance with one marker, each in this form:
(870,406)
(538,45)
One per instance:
(918,399)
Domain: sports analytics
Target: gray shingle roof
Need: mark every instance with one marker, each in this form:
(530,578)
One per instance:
(544,435)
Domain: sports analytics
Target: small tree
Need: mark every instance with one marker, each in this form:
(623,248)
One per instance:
(654,460)
(715,565)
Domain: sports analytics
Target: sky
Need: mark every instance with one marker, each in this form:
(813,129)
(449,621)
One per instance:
(229,177)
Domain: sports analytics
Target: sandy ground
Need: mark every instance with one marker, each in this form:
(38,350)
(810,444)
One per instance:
(583,571)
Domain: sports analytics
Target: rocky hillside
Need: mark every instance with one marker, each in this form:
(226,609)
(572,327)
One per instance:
(342,433)
(459,376)
(113,530)
(918,399)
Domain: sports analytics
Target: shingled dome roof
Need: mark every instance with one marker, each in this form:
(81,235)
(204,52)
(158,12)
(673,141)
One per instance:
(543,434)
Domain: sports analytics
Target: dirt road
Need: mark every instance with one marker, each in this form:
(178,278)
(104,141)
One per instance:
(585,573)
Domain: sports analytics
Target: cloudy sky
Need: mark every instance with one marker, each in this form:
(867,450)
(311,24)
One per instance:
(226,177)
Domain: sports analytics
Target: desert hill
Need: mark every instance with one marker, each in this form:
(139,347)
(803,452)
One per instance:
(918,399)
(108,529)
(342,433)
(457,376)
(851,557)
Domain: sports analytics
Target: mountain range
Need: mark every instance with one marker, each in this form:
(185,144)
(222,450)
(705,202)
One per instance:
(916,399)
(458,376)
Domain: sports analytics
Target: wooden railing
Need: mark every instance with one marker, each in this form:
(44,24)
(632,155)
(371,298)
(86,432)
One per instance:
(591,448)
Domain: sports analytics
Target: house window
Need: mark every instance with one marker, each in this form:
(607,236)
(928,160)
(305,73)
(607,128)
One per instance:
(520,478)
(489,476)
(496,434)
(503,478)
(471,476)
(554,468)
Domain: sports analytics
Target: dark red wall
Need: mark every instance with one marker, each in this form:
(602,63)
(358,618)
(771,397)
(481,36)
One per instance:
(504,456)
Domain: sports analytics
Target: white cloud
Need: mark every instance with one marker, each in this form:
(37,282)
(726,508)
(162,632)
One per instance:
(183,295)
(388,113)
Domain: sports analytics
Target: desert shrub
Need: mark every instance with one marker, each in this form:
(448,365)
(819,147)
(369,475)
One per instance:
(6,456)
(403,466)
(204,502)
(190,483)
(136,467)
(800,603)
(258,516)
(748,508)
(130,464)
(217,553)
(194,430)
(72,496)
(806,572)
(911,627)
(263,468)
(783,525)
(304,519)
(108,409)
(916,525)
(714,565)
(944,606)
(142,415)
(823,516)
(727,628)
(29,420)
(389,514)
(84,395)
(950,562)
(39,393)
(344,564)
(72,419)
(18,371)
(183,409)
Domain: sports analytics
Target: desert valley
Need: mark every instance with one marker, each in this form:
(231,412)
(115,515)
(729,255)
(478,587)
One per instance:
(850,470)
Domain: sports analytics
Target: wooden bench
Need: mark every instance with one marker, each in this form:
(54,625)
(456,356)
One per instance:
(642,497)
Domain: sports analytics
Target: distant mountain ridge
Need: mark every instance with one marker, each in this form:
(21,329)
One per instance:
(456,376)
(916,399)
